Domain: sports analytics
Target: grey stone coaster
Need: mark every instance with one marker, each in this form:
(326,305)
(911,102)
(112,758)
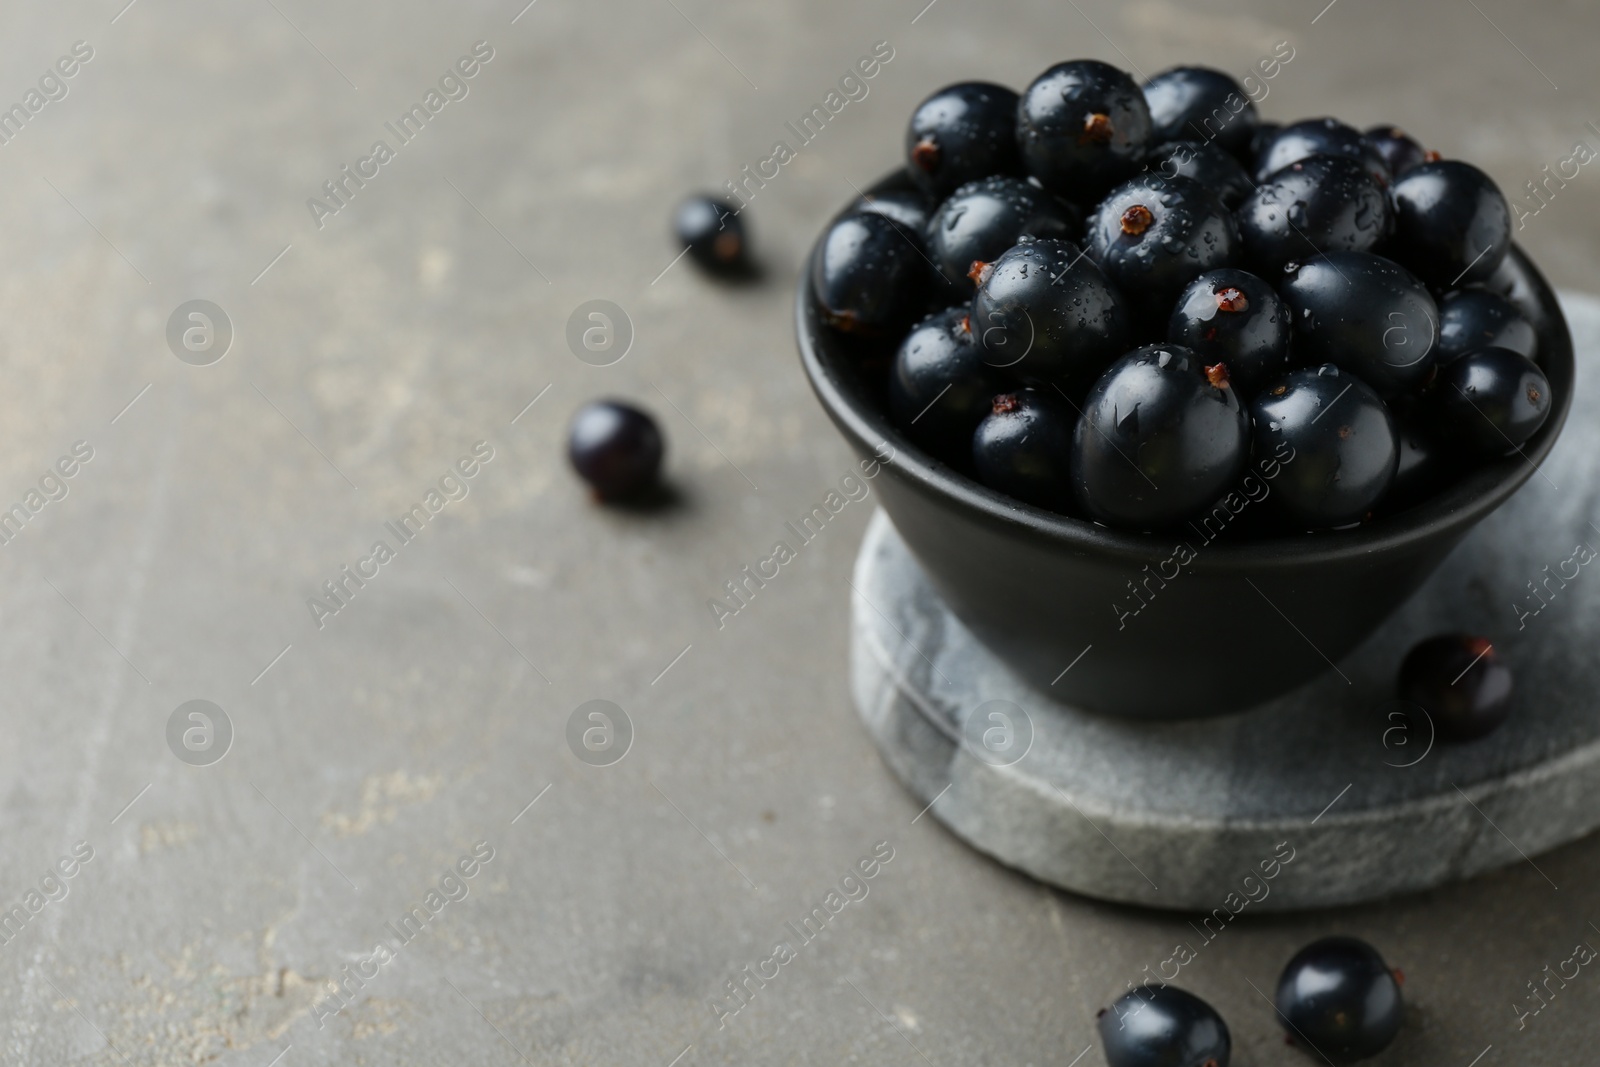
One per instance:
(1180,815)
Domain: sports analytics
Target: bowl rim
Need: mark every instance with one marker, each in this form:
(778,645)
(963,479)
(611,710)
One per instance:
(1452,510)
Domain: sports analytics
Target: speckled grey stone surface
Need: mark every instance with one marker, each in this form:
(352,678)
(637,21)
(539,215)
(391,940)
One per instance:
(1173,814)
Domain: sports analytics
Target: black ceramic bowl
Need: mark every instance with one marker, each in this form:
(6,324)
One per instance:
(1243,621)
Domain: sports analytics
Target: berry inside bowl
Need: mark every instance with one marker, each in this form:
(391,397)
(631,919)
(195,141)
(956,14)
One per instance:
(1204,619)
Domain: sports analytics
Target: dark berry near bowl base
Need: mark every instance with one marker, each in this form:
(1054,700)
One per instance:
(983,219)
(1318,204)
(940,388)
(616,448)
(1153,234)
(1161,438)
(962,133)
(1082,127)
(1477,318)
(1343,442)
(1488,401)
(1320,137)
(870,275)
(1461,682)
(1163,1026)
(1228,316)
(1207,164)
(909,208)
(1023,448)
(1338,996)
(1452,225)
(1365,314)
(1399,151)
(1200,104)
(712,232)
(1045,312)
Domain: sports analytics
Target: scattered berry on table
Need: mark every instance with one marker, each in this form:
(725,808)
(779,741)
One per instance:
(1461,682)
(1339,997)
(1163,1026)
(712,232)
(616,448)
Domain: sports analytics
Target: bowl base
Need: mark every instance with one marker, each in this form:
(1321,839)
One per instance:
(1327,788)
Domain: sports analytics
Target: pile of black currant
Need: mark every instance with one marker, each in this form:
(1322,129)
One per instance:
(1336,998)
(1117,302)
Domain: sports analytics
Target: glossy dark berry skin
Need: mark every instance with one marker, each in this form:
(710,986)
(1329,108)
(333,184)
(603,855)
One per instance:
(1399,151)
(962,133)
(1462,683)
(1022,448)
(1452,225)
(1426,464)
(1344,444)
(712,232)
(1477,318)
(982,220)
(909,208)
(940,388)
(1158,441)
(1365,314)
(1045,312)
(1318,204)
(1200,104)
(616,448)
(870,276)
(1263,136)
(1163,1026)
(1082,127)
(1320,137)
(1234,318)
(1207,164)
(1338,996)
(1152,235)
(1488,401)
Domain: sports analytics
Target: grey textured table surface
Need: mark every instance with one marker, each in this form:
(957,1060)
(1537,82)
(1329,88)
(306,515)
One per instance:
(371,353)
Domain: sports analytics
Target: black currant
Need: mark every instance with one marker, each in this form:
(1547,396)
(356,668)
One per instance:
(1425,465)
(1263,136)
(1452,225)
(1228,316)
(911,209)
(1489,401)
(940,387)
(1364,313)
(1462,683)
(1023,447)
(712,232)
(1163,1026)
(1153,234)
(1320,137)
(616,448)
(1344,445)
(962,133)
(1205,163)
(983,219)
(1161,438)
(1339,997)
(1082,127)
(1477,318)
(1399,151)
(1200,104)
(1317,204)
(1044,311)
(870,276)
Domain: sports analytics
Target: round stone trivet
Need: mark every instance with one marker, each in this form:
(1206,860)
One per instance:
(1192,814)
